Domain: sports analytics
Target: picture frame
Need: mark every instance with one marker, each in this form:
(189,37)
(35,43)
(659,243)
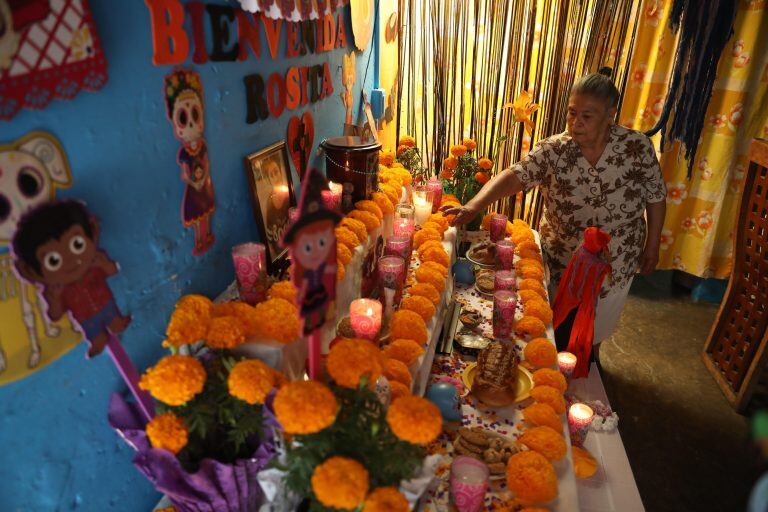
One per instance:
(270,185)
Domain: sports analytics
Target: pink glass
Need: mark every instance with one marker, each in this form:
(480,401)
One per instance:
(498,227)
(404,227)
(504,280)
(293,214)
(365,316)
(251,271)
(336,189)
(579,419)
(504,304)
(566,362)
(469,483)
(399,246)
(328,199)
(435,186)
(505,254)
(392,272)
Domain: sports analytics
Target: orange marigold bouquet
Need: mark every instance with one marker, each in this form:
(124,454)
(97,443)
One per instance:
(409,156)
(463,174)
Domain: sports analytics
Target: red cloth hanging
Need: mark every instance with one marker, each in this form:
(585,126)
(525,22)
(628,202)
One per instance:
(579,288)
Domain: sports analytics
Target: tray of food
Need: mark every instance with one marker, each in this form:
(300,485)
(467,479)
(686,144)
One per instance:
(483,254)
(487,446)
(485,282)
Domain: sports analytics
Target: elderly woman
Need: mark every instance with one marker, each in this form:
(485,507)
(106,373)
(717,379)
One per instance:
(598,174)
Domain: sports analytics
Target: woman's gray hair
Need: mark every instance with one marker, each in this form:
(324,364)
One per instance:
(598,85)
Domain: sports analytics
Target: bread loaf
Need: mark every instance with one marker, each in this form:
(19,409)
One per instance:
(495,383)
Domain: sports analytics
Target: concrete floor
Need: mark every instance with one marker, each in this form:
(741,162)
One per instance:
(688,449)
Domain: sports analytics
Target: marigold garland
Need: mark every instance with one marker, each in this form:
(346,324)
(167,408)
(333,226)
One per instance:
(405,350)
(485,224)
(458,150)
(529,253)
(340,482)
(436,267)
(545,441)
(529,262)
(550,377)
(367,205)
(167,432)
(540,352)
(423,235)
(530,326)
(528,296)
(584,464)
(436,226)
(421,305)
(284,331)
(174,380)
(403,173)
(521,235)
(426,290)
(397,390)
(550,396)
(197,304)
(528,272)
(357,227)
(251,381)
(539,414)
(538,309)
(383,202)
(440,219)
(340,274)
(533,285)
(386,499)
(392,192)
(305,407)
(350,360)
(347,237)
(531,477)
(528,244)
(428,275)
(436,244)
(409,325)
(397,371)
(343,254)
(370,220)
(414,419)
(436,254)
(282,290)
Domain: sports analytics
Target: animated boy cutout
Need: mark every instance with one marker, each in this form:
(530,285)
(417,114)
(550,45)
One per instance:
(56,247)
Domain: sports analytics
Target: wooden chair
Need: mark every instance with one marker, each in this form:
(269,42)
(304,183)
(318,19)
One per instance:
(735,352)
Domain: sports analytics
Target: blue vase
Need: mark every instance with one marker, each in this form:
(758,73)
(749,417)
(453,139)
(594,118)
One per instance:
(462,271)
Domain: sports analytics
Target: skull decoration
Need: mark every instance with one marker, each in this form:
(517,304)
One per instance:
(9,39)
(188,120)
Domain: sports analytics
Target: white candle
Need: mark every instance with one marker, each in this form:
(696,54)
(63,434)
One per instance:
(566,362)
(422,204)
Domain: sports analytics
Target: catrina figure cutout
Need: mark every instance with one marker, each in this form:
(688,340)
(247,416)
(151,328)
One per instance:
(184,106)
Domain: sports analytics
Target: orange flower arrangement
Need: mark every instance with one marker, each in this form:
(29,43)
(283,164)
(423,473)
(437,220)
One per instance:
(421,305)
(521,224)
(355,226)
(402,173)
(441,269)
(386,158)
(370,220)
(540,352)
(383,202)
(436,254)
(346,237)
(545,441)
(284,331)
(369,206)
(185,327)
(283,290)
(408,325)
(340,482)
(550,377)
(530,326)
(390,177)
(244,313)
(426,290)
(458,150)
(542,415)
(397,371)
(305,407)
(533,285)
(440,219)
(414,419)
(423,235)
(397,390)
(538,309)
(469,144)
(407,141)
(482,177)
(200,305)
(550,396)
(431,276)
(446,173)
(167,432)
(485,164)
(531,477)
(584,464)
(343,254)
(450,163)
(402,149)
(386,499)
(397,165)
(529,272)
(405,350)
(351,360)
(251,381)
(174,380)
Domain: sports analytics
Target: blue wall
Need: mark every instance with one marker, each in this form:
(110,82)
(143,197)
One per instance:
(58,453)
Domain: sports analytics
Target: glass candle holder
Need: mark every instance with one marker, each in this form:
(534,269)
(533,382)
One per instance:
(579,419)
(505,254)
(504,304)
(404,227)
(365,317)
(250,262)
(404,211)
(328,199)
(391,272)
(468,483)
(399,246)
(566,362)
(435,186)
(498,227)
(504,280)
(336,189)
(422,204)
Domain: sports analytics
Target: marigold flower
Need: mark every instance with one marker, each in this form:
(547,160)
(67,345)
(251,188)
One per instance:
(386,499)
(225,332)
(469,144)
(482,177)
(343,254)
(198,304)
(346,237)
(440,219)
(584,464)
(545,441)
(397,390)
(284,331)
(185,327)
(352,359)
(521,235)
(392,178)
(426,290)
(485,224)
(370,220)
(531,477)
(408,325)
(431,276)
(436,226)
(530,326)
(174,380)
(305,407)
(534,286)
(414,419)
(407,140)
(441,269)
(538,309)
(550,396)
(528,295)
(421,305)
(386,158)
(251,381)
(423,235)
(540,352)
(450,198)
(167,432)
(391,192)
(450,163)
(282,290)
(404,175)
(397,371)
(340,273)
(530,254)
(405,350)
(436,254)
(529,272)
(340,482)
(485,163)
(527,244)
(369,206)
(458,150)
(402,149)
(357,227)
(426,245)
(383,202)
(529,262)
(540,414)
(550,377)
(446,174)
(534,509)
(397,165)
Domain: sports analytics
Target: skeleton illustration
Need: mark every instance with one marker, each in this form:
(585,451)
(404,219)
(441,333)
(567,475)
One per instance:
(31,169)
(348,79)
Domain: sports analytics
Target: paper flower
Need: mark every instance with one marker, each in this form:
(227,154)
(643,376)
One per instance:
(282,290)
(397,390)
(305,407)
(414,419)
(405,350)
(531,477)
(550,377)
(584,464)
(426,290)
(431,276)
(539,414)
(540,352)
(458,150)
(545,441)
(286,329)
(168,432)
(367,205)
(530,326)
(386,499)
(408,325)
(351,360)
(251,381)
(174,380)
(357,227)
(397,371)
(532,285)
(523,108)
(421,305)
(340,482)
(550,396)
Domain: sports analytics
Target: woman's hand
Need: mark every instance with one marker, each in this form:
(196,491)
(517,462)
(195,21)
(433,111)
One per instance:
(650,259)
(464,214)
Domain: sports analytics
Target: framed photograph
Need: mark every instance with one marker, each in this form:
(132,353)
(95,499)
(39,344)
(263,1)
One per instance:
(271,189)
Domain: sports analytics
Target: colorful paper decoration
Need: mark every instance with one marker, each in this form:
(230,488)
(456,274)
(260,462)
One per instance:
(348,79)
(363,13)
(301,135)
(293,10)
(186,112)
(33,167)
(47,50)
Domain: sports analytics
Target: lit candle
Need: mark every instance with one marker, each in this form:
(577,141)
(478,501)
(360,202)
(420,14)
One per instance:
(422,204)
(579,419)
(566,362)
(399,246)
(505,254)
(498,227)
(404,211)
(391,271)
(404,227)
(504,304)
(435,186)
(336,189)
(250,271)
(468,483)
(328,199)
(504,280)
(365,316)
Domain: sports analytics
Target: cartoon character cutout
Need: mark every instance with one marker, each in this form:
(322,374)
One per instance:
(184,106)
(56,247)
(32,169)
(348,79)
(312,244)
